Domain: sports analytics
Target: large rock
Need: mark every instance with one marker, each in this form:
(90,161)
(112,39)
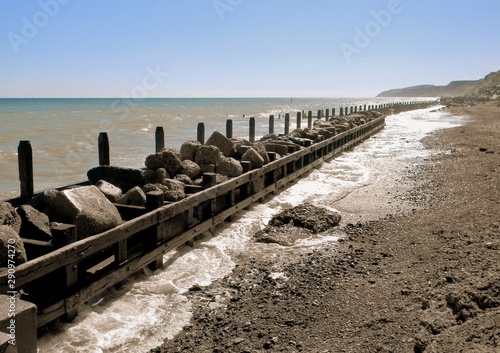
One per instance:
(207,154)
(9,216)
(112,193)
(156,176)
(35,224)
(190,168)
(175,190)
(188,149)
(10,240)
(87,208)
(133,197)
(124,178)
(183,178)
(225,145)
(169,159)
(43,199)
(254,157)
(280,149)
(230,167)
(316,219)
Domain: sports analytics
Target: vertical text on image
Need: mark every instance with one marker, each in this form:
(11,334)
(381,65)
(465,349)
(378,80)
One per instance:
(12,293)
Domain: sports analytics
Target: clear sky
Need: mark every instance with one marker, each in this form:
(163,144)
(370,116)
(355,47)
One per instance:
(242,48)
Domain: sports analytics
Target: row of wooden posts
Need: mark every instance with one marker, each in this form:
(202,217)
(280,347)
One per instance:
(25,153)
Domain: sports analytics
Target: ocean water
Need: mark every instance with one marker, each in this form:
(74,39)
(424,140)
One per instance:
(153,306)
(63,132)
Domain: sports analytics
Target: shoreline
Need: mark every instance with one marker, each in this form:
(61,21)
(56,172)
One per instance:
(399,283)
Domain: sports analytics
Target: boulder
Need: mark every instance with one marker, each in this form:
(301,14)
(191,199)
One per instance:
(208,154)
(254,157)
(225,145)
(156,176)
(35,224)
(269,137)
(169,159)
(190,168)
(124,178)
(9,216)
(219,178)
(311,134)
(8,239)
(326,133)
(183,178)
(230,167)
(154,187)
(207,168)
(240,151)
(175,190)
(87,208)
(43,199)
(316,219)
(188,149)
(133,197)
(280,149)
(112,193)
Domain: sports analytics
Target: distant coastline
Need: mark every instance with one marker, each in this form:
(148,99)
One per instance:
(487,86)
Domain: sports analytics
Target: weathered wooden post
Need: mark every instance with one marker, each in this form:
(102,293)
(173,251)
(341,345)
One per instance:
(209,180)
(154,200)
(229,128)
(352,110)
(200,133)
(356,109)
(159,138)
(333,112)
(299,118)
(287,123)
(320,114)
(341,111)
(251,132)
(25,164)
(309,119)
(271,124)
(327,114)
(62,235)
(103,143)
(364,107)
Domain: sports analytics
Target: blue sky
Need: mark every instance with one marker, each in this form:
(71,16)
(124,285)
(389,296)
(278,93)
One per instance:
(241,48)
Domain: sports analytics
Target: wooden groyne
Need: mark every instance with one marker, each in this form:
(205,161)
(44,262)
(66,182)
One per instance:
(67,272)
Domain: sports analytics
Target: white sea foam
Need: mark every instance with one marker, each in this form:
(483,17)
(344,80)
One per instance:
(151,307)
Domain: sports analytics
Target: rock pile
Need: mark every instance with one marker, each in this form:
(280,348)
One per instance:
(170,170)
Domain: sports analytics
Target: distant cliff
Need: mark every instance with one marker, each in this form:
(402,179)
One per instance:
(489,85)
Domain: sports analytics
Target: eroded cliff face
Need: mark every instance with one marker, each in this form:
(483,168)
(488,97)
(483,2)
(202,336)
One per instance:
(491,82)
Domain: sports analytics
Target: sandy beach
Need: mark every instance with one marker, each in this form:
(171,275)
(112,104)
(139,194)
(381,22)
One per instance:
(416,272)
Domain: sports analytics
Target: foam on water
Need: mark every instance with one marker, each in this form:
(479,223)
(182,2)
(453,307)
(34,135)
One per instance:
(150,307)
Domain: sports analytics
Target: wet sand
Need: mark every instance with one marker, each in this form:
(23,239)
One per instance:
(418,270)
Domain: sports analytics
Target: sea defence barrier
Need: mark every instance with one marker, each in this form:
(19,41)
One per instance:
(68,270)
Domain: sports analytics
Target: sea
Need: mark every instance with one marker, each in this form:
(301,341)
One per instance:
(153,306)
